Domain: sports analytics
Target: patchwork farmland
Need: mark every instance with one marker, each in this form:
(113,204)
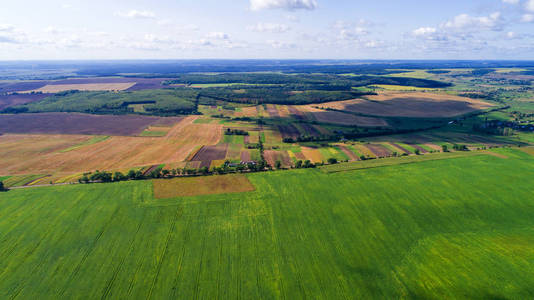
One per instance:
(314,181)
(33,154)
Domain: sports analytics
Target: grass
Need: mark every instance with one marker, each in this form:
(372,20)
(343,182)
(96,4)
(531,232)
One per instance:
(203,121)
(92,141)
(388,87)
(233,139)
(391,161)
(153,133)
(422,74)
(445,229)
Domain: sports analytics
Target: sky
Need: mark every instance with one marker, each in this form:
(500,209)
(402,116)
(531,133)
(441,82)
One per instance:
(266,29)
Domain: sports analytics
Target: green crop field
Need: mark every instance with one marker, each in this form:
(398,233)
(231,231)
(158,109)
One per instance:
(444,229)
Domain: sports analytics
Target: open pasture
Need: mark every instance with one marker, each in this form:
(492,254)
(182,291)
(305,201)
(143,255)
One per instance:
(391,232)
(74,123)
(421,105)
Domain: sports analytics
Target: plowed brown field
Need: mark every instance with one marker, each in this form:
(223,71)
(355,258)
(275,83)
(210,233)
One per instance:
(335,117)
(75,123)
(415,104)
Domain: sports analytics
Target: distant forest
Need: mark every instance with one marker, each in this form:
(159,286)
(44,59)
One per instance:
(180,97)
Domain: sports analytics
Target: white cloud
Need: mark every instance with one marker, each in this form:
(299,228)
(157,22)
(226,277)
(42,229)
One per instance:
(283,4)
(218,35)
(424,31)
(281,45)
(9,34)
(430,33)
(511,1)
(467,22)
(52,30)
(7,40)
(292,18)
(527,18)
(6,28)
(529,5)
(137,14)
(269,27)
(350,30)
(352,33)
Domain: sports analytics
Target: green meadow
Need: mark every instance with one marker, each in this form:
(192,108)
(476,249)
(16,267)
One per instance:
(440,229)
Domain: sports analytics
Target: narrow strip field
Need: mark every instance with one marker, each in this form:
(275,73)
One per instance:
(445,229)
(374,163)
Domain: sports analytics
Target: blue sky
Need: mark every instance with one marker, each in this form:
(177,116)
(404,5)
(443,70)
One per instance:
(342,29)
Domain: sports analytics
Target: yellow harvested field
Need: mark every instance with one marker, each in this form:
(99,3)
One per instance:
(249,111)
(314,155)
(40,154)
(528,150)
(56,88)
(433,146)
(197,186)
(334,117)
(283,111)
(364,150)
(391,87)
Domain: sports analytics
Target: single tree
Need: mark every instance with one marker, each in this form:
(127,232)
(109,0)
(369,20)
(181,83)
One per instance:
(332,161)
(2,187)
(118,176)
(131,174)
(445,148)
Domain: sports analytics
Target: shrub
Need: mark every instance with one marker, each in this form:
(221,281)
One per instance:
(332,161)
(2,187)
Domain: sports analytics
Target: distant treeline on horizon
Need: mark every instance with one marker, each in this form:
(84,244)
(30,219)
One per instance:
(61,69)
